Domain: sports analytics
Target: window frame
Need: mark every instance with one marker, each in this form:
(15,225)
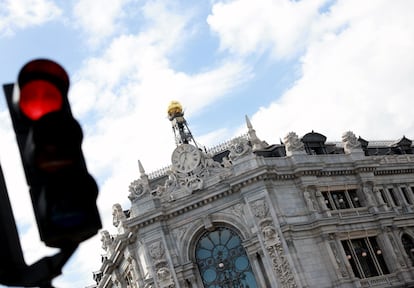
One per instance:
(365,257)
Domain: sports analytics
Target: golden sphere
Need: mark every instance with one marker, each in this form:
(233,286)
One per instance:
(174,108)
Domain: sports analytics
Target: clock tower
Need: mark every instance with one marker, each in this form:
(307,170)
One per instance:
(189,163)
(179,124)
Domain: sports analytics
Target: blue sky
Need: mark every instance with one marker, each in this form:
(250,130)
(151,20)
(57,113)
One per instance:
(328,66)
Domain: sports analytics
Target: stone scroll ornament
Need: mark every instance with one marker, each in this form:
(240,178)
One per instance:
(137,189)
(239,148)
(273,244)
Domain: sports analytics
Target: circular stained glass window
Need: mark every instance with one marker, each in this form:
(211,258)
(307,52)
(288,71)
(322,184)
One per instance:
(222,260)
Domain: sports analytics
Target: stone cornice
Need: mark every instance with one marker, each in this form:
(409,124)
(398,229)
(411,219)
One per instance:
(270,171)
(338,225)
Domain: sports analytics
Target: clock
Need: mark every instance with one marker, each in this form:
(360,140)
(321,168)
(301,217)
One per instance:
(186,158)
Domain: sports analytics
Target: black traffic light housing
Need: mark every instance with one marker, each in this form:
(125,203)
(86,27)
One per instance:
(63,193)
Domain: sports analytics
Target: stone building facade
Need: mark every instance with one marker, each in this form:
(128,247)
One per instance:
(304,213)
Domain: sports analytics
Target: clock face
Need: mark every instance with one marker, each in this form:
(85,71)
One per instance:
(185,158)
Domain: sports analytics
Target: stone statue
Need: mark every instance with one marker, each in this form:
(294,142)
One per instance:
(117,215)
(350,142)
(293,144)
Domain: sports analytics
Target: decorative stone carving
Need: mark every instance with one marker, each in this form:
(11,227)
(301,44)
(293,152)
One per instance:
(137,189)
(269,234)
(156,250)
(118,215)
(279,261)
(293,145)
(140,187)
(310,203)
(238,148)
(179,232)
(226,162)
(172,182)
(106,240)
(254,140)
(273,244)
(180,184)
(237,210)
(350,141)
(340,264)
(369,193)
(260,208)
(163,273)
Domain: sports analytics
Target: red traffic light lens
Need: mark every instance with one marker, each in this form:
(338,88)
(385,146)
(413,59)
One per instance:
(39,97)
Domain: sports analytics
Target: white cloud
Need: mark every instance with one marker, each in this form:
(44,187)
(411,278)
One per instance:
(356,71)
(279,26)
(20,14)
(99,20)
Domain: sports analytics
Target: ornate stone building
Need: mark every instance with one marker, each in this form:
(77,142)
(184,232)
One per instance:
(305,213)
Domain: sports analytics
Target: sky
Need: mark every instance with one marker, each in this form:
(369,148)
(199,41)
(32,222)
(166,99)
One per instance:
(322,65)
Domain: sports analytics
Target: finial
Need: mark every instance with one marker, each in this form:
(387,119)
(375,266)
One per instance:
(256,142)
(141,168)
(175,110)
(143,175)
(249,124)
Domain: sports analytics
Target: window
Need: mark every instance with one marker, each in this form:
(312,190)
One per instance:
(341,199)
(365,257)
(408,244)
(222,260)
(384,197)
(393,196)
(406,195)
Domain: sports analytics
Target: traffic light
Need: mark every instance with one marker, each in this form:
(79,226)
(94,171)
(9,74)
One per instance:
(62,191)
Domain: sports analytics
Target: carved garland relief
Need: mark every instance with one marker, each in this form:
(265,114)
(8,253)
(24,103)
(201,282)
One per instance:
(163,273)
(273,244)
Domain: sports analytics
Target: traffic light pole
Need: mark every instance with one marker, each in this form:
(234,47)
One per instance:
(13,269)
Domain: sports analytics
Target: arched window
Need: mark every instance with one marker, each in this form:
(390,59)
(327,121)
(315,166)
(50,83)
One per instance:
(222,260)
(408,244)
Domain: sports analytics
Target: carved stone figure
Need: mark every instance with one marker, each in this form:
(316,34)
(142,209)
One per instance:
(156,250)
(106,240)
(137,189)
(238,148)
(309,201)
(269,234)
(350,142)
(117,215)
(171,183)
(260,208)
(163,273)
(293,145)
(226,162)
(369,194)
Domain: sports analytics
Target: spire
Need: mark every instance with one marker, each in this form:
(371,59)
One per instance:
(254,140)
(143,175)
(249,124)
(179,124)
(141,168)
